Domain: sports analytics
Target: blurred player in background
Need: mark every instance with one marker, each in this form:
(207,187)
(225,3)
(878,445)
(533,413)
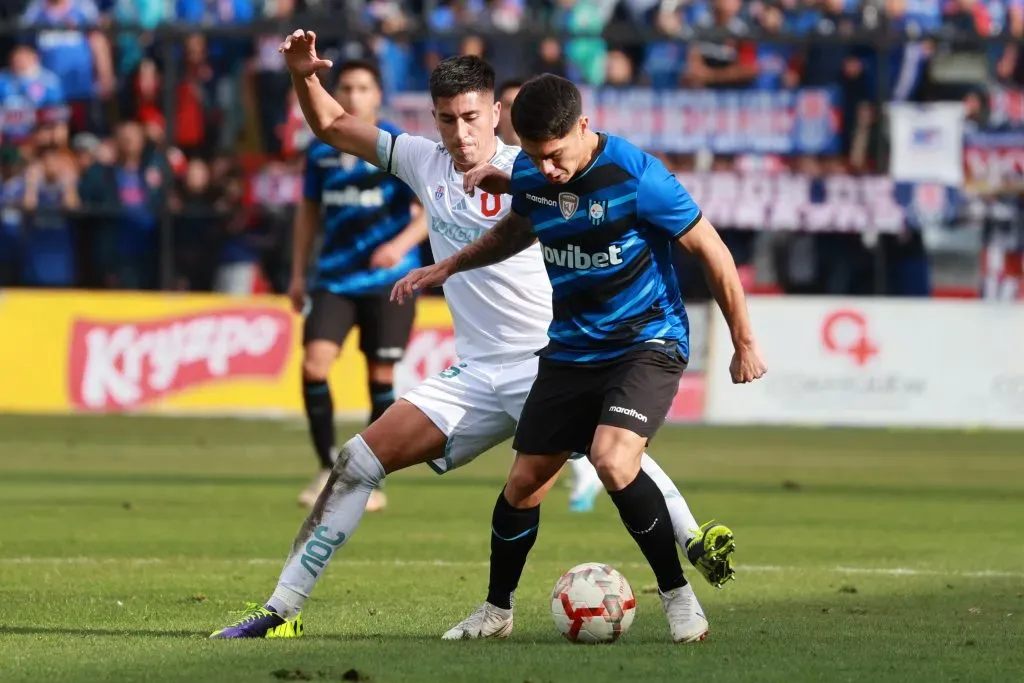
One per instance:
(500,315)
(372,231)
(506,94)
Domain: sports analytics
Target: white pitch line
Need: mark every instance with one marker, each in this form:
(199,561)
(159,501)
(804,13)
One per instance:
(752,568)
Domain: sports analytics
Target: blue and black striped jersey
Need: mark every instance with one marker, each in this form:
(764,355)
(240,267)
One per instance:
(607,237)
(363,207)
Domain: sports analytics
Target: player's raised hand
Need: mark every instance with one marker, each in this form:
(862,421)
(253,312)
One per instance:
(488,178)
(747,364)
(419,279)
(299,50)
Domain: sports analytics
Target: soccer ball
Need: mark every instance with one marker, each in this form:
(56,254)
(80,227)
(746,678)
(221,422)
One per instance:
(592,603)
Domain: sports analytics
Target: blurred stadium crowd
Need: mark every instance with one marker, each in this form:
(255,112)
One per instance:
(123,118)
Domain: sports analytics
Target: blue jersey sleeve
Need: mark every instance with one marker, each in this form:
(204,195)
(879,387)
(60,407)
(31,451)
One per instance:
(522,168)
(665,204)
(312,179)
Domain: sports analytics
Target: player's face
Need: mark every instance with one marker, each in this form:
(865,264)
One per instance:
(560,159)
(23,59)
(466,123)
(358,93)
(505,129)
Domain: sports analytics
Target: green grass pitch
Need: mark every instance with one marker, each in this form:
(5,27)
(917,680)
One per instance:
(863,556)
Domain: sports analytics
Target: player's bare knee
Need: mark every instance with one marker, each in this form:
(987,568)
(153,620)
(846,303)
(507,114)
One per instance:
(404,436)
(316,369)
(615,454)
(530,480)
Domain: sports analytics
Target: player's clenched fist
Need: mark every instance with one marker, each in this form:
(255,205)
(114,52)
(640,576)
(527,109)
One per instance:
(299,50)
(747,364)
(419,279)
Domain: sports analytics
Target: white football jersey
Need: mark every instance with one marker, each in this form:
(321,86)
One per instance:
(501,312)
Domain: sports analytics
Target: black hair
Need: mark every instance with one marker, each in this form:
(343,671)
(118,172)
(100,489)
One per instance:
(512,84)
(546,108)
(459,75)
(361,65)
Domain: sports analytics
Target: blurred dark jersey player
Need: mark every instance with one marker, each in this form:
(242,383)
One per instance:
(363,208)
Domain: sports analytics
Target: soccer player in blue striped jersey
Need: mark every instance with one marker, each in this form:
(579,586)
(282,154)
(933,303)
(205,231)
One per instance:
(607,216)
(370,240)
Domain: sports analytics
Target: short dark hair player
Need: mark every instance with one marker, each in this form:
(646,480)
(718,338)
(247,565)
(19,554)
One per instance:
(607,216)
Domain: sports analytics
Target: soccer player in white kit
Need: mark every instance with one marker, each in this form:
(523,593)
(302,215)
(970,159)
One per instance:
(500,316)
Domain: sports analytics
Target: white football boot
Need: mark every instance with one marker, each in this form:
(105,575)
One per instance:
(486,621)
(686,619)
(307,498)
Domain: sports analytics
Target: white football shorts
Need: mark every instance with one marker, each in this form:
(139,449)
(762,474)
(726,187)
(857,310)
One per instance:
(475,405)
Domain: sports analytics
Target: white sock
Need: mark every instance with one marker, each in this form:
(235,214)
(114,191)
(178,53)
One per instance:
(683,523)
(329,526)
(583,475)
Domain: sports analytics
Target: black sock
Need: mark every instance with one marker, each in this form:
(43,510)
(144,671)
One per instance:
(320,414)
(382,395)
(644,513)
(513,533)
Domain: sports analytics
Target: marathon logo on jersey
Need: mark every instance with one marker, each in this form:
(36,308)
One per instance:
(352,196)
(124,365)
(572,257)
(567,204)
(541,200)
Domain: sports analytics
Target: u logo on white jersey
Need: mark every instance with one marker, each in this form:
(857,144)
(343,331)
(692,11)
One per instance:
(490,204)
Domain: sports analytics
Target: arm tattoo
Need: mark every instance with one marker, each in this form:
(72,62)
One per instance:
(511,235)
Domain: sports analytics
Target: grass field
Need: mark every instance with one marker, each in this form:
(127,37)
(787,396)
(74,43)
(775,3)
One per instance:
(863,556)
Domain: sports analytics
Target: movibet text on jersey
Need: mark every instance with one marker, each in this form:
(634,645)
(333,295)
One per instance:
(573,257)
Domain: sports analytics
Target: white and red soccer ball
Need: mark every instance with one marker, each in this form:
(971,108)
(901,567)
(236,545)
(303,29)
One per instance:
(592,603)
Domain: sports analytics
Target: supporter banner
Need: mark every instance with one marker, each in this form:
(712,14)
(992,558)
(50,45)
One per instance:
(97,352)
(726,122)
(837,203)
(1006,107)
(994,161)
(874,362)
(771,201)
(927,142)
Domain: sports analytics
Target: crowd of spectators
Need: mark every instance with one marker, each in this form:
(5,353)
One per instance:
(108,136)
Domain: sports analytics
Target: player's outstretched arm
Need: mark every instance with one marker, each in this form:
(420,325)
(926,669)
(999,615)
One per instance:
(703,241)
(508,237)
(326,117)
